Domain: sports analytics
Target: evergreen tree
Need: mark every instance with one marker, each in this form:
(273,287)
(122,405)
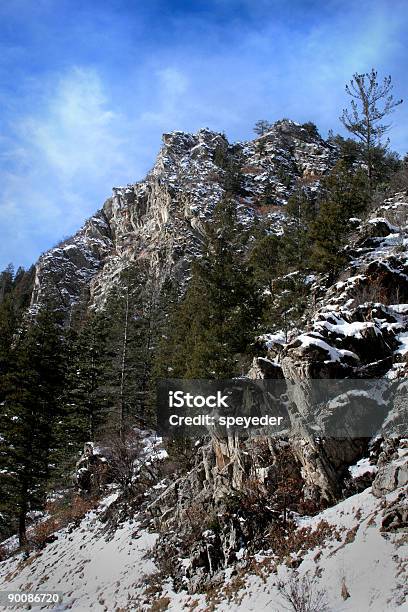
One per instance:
(345,195)
(287,304)
(212,328)
(31,391)
(311,129)
(262,126)
(6,281)
(129,318)
(371,103)
(265,260)
(277,263)
(233,179)
(85,399)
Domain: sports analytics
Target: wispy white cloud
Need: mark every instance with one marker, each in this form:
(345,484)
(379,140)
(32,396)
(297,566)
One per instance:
(77,133)
(171,86)
(64,156)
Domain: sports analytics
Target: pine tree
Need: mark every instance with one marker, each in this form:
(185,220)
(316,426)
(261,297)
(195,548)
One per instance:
(212,328)
(371,103)
(6,281)
(31,391)
(265,260)
(311,129)
(130,312)
(85,399)
(262,126)
(346,194)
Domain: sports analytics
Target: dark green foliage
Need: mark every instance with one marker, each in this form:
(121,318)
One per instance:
(268,196)
(233,180)
(212,328)
(15,296)
(345,195)
(221,157)
(262,126)
(371,103)
(399,180)
(286,305)
(86,403)
(276,263)
(302,209)
(6,281)
(110,367)
(31,389)
(311,129)
(283,175)
(129,316)
(265,259)
(349,151)
(384,163)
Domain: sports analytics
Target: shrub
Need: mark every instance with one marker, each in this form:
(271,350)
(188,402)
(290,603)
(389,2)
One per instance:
(285,539)
(123,454)
(71,510)
(302,594)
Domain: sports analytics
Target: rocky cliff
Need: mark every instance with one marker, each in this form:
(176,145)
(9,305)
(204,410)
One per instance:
(158,221)
(359,324)
(234,516)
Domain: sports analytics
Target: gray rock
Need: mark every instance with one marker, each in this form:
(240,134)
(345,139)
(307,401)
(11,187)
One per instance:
(391,475)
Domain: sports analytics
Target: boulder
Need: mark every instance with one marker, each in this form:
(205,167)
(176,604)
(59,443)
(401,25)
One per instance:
(92,469)
(392,475)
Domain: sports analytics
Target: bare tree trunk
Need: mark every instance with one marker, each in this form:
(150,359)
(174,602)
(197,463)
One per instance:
(123,364)
(22,531)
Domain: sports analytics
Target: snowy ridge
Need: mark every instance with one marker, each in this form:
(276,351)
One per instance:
(159,221)
(371,564)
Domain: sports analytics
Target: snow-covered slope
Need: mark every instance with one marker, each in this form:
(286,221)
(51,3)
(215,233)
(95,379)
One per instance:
(356,565)
(94,570)
(359,568)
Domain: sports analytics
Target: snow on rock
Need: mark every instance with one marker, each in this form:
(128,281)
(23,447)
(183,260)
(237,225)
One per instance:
(333,354)
(159,221)
(362,467)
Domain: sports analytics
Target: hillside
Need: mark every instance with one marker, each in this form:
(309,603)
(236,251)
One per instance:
(315,267)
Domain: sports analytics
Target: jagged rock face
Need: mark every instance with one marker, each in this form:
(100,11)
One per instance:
(392,467)
(159,221)
(64,273)
(359,327)
(285,156)
(358,331)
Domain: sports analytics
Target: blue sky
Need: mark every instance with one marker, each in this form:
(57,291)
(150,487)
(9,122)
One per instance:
(87,88)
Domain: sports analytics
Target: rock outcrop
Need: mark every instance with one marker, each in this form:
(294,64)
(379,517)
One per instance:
(159,220)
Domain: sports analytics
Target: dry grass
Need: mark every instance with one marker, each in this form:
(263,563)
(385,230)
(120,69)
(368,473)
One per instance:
(71,511)
(159,605)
